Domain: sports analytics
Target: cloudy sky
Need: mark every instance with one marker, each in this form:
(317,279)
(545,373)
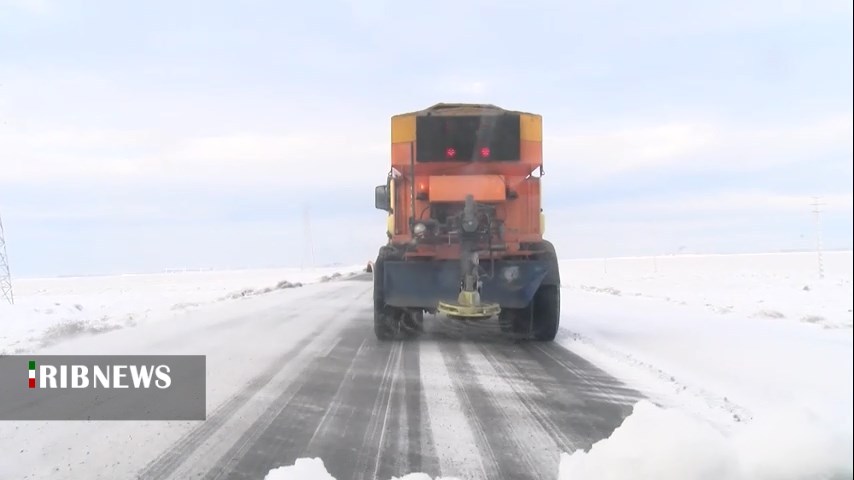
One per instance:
(139,136)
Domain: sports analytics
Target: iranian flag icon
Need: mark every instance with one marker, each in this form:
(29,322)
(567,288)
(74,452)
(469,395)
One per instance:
(32,374)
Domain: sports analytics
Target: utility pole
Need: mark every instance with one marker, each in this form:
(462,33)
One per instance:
(308,248)
(817,204)
(5,276)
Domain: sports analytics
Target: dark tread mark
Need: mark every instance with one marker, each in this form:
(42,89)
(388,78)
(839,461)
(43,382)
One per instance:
(172,458)
(380,414)
(481,414)
(280,435)
(424,458)
(167,462)
(407,443)
(599,402)
(242,320)
(545,418)
(597,381)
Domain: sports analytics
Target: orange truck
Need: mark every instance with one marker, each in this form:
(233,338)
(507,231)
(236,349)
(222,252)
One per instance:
(465,224)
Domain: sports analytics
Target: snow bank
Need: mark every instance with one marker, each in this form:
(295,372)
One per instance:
(648,322)
(422,476)
(50,310)
(302,469)
(314,469)
(718,341)
(774,287)
(666,444)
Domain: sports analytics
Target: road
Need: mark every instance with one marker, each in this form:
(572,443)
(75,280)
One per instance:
(462,400)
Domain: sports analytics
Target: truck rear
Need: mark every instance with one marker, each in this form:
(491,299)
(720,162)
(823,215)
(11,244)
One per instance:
(465,224)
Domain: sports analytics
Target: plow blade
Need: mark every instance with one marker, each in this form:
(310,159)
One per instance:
(423,284)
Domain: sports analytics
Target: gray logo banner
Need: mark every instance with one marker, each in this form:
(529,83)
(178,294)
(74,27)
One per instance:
(102,387)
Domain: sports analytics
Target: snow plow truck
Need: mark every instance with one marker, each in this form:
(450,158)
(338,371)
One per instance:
(465,224)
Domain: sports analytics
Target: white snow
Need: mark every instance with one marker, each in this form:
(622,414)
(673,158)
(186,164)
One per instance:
(446,415)
(255,330)
(666,444)
(302,469)
(314,469)
(51,310)
(776,286)
(422,476)
(752,373)
(686,332)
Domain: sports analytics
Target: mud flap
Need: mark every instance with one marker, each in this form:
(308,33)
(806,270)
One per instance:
(423,284)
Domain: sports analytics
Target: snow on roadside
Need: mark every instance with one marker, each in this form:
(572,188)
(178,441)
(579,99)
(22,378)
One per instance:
(422,476)
(740,394)
(666,444)
(314,469)
(50,310)
(774,286)
(690,357)
(302,469)
(235,336)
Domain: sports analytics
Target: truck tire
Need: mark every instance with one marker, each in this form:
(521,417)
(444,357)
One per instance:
(546,301)
(505,320)
(411,322)
(383,317)
(516,320)
(392,322)
(550,255)
(546,313)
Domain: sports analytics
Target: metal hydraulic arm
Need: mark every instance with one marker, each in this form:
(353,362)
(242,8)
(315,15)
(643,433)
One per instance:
(468,304)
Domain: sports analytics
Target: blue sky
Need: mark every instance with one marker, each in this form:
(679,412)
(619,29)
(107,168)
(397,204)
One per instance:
(150,135)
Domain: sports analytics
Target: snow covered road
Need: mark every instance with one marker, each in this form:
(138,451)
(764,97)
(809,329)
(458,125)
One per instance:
(299,374)
(459,401)
(295,372)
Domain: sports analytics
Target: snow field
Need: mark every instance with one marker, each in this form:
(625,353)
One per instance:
(667,444)
(773,286)
(742,385)
(314,469)
(87,449)
(48,311)
(746,359)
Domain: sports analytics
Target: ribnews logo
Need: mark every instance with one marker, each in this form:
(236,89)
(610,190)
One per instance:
(105,387)
(114,376)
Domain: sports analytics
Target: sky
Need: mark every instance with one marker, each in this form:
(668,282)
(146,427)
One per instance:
(143,136)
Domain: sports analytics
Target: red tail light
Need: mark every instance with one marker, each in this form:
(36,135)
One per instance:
(451,153)
(484,152)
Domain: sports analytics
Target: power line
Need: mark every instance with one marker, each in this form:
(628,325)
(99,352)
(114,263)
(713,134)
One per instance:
(817,204)
(5,276)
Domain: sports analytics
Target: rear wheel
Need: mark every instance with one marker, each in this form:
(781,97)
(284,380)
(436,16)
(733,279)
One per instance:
(384,326)
(411,322)
(546,313)
(505,320)
(391,322)
(540,320)
(383,318)
(516,320)
(546,301)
